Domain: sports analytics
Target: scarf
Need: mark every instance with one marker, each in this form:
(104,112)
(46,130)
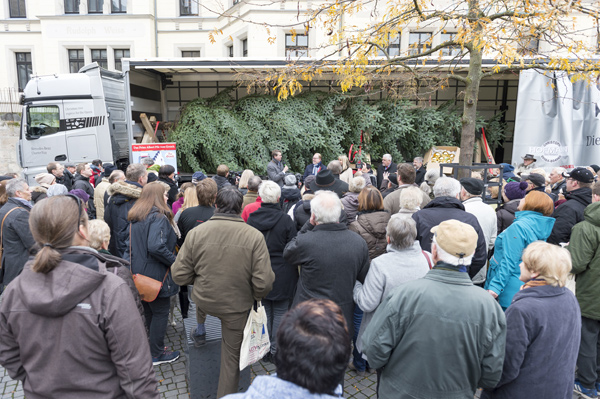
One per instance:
(534,282)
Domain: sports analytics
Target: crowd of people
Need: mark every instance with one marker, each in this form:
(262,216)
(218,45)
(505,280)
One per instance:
(401,271)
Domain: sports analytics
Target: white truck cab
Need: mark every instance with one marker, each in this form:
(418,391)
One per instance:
(75,118)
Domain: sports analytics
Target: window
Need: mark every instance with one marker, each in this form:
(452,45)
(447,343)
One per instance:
(450,51)
(188,7)
(296,46)
(42,121)
(24,69)
(419,42)
(245,48)
(118,55)
(118,6)
(393,47)
(76,60)
(17,8)
(71,6)
(95,6)
(100,56)
(230,51)
(190,54)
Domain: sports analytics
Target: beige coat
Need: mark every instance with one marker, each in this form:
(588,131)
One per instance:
(99,197)
(391,203)
(228,263)
(347,175)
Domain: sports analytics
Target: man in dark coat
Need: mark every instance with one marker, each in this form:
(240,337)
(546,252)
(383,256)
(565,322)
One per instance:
(420,170)
(537,182)
(331,257)
(221,177)
(206,190)
(315,167)
(278,229)
(58,171)
(82,182)
(17,240)
(326,181)
(568,214)
(558,183)
(122,197)
(446,206)
(386,166)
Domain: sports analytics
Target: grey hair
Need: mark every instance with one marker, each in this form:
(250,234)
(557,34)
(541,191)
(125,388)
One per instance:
(357,184)
(411,198)
(269,192)
(451,259)
(402,231)
(56,189)
(15,185)
(560,170)
(386,156)
(326,206)
(147,161)
(116,175)
(253,183)
(135,171)
(335,167)
(418,159)
(446,187)
(431,176)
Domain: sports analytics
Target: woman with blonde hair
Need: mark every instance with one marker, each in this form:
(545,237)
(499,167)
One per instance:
(150,248)
(94,341)
(543,329)
(243,183)
(190,199)
(346,174)
(181,197)
(532,223)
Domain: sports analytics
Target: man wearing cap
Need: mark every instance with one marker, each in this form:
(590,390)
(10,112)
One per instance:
(198,177)
(386,166)
(445,206)
(527,165)
(470,194)
(439,335)
(405,178)
(315,167)
(578,196)
(326,181)
(537,182)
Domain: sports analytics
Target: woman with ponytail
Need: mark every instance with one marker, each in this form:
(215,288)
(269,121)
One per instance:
(150,248)
(68,328)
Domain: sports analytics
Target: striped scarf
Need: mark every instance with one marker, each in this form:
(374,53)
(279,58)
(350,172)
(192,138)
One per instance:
(534,282)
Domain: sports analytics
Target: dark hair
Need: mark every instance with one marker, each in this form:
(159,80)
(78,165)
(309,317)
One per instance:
(407,173)
(165,171)
(229,200)
(53,223)
(313,346)
(206,191)
(152,196)
(97,162)
(370,199)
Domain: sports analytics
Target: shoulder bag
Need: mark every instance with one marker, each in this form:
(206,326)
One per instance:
(146,286)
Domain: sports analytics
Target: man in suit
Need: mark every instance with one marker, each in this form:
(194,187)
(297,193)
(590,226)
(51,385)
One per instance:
(386,166)
(315,167)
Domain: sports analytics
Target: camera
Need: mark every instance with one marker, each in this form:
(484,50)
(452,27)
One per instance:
(234,178)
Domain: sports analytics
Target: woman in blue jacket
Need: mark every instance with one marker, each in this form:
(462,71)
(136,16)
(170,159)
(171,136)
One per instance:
(150,249)
(532,223)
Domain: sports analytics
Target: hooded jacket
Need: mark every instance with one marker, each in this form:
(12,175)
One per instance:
(83,183)
(17,240)
(38,193)
(585,240)
(504,271)
(151,248)
(122,197)
(505,214)
(350,203)
(446,208)
(221,181)
(371,226)
(93,342)
(289,197)
(278,229)
(569,214)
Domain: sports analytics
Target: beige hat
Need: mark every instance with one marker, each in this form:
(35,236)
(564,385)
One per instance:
(45,179)
(457,238)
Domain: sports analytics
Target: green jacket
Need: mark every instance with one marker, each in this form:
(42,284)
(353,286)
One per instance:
(437,337)
(228,263)
(583,245)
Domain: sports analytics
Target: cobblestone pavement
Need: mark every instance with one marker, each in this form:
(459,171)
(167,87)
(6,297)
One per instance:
(172,382)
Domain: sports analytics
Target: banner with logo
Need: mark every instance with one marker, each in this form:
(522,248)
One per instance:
(557,120)
(161,153)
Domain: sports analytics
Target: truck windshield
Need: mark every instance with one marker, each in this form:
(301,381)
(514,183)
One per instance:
(42,121)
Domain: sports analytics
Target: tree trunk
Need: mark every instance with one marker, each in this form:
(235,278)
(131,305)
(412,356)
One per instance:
(467,140)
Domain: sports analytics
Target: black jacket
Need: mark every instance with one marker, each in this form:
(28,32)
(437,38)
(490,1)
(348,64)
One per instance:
(393,168)
(173,191)
(278,229)
(559,188)
(446,208)
(66,180)
(505,214)
(221,181)
(152,246)
(191,218)
(289,197)
(122,197)
(420,177)
(17,240)
(568,214)
(83,183)
(302,214)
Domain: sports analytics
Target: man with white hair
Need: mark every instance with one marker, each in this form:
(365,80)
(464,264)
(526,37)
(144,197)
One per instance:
(331,257)
(558,183)
(439,334)
(386,166)
(445,206)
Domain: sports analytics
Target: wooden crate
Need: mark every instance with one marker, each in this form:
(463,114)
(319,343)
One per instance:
(436,165)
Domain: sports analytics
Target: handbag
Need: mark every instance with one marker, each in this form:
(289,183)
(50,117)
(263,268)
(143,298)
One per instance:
(146,286)
(256,343)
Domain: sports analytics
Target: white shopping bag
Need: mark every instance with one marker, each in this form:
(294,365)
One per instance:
(256,342)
